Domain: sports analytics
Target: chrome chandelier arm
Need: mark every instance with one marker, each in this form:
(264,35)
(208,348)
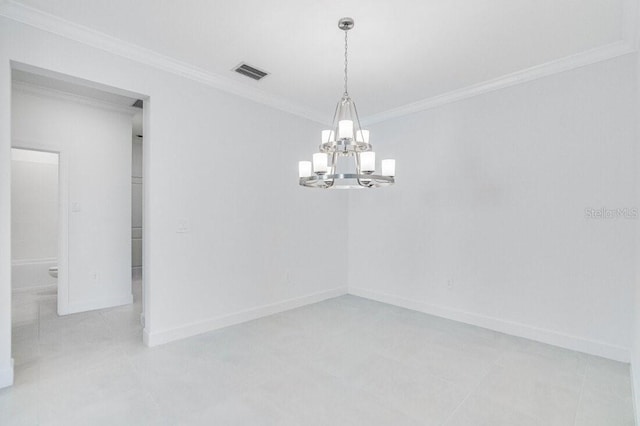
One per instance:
(322,181)
(346,158)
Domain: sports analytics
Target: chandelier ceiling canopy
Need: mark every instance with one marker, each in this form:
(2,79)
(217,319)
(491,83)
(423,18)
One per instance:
(346,159)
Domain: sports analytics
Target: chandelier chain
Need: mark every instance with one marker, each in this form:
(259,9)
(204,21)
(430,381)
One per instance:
(346,92)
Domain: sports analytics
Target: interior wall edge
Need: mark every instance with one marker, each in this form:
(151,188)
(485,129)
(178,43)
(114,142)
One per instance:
(6,376)
(6,362)
(635,387)
(550,337)
(188,330)
(635,339)
(33,89)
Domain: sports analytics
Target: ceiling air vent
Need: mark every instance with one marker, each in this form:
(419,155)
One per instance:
(251,72)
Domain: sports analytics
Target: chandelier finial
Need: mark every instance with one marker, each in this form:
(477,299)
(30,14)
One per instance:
(346,23)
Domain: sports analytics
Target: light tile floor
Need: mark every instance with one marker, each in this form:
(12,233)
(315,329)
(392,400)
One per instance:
(344,361)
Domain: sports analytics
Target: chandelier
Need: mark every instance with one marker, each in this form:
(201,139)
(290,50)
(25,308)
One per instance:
(345,159)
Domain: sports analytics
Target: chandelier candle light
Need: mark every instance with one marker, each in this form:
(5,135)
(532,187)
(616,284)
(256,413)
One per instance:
(346,159)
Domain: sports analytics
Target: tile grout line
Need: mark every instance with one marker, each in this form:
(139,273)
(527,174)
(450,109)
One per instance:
(471,392)
(492,364)
(584,380)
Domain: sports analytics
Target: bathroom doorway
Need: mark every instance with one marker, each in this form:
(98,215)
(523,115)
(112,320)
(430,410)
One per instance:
(35,227)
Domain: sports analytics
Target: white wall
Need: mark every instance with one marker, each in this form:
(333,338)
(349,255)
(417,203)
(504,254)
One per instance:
(487,221)
(34,217)
(226,165)
(95,157)
(635,341)
(34,206)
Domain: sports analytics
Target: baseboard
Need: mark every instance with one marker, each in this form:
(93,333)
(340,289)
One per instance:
(92,305)
(6,376)
(192,329)
(591,347)
(635,389)
(21,290)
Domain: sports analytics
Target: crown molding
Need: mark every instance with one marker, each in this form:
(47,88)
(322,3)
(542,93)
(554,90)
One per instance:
(37,90)
(629,43)
(81,34)
(588,57)
(631,27)
(55,25)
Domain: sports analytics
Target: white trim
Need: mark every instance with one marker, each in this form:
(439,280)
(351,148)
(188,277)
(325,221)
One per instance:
(635,389)
(592,347)
(63,230)
(148,225)
(36,90)
(73,308)
(589,57)
(6,376)
(30,156)
(32,261)
(79,33)
(199,327)
(34,288)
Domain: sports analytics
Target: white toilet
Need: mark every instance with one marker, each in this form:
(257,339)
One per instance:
(53,271)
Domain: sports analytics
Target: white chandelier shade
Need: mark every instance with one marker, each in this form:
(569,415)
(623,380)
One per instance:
(346,159)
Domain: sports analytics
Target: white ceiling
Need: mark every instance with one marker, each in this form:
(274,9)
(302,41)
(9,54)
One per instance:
(401,51)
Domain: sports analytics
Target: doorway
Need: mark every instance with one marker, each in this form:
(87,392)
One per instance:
(34,245)
(137,208)
(86,283)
